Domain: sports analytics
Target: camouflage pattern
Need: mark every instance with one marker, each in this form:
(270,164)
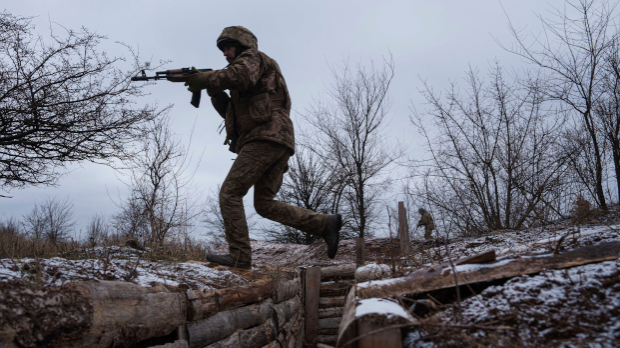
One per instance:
(249,76)
(429,225)
(240,34)
(261,164)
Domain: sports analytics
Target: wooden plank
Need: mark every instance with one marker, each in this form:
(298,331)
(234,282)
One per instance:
(327,339)
(313,288)
(434,278)
(384,339)
(347,329)
(360,252)
(403,229)
(330,312)
(329,302)
(328,331)
(329,323)
(205,303)
(329,289)
(342,271)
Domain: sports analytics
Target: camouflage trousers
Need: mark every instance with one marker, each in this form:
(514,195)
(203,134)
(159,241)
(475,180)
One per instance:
(428,232)
(261,164)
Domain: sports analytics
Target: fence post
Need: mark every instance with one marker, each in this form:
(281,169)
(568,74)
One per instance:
(312,293)
(403,229)
(360,252)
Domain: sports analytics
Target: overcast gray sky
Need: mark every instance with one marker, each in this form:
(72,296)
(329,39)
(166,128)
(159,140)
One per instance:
(432,40)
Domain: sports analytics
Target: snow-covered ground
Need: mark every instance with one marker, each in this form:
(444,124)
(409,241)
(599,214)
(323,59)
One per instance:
(576,307)
(117,263)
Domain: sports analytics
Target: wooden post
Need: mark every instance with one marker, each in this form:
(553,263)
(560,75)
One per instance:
(360,252)
(403,229)
(312,290)
(182,333)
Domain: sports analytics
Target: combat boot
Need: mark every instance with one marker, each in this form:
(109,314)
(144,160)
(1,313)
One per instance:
(331,234)
(227,260)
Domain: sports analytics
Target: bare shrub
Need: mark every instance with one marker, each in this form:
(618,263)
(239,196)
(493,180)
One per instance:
(496,156)
(162,202)
(348,135)
(51,220)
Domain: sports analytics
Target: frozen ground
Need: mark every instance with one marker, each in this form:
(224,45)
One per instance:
(576,307)
(117,263)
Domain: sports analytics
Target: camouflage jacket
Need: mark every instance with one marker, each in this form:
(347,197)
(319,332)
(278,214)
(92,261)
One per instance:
(426,220)
(259,104)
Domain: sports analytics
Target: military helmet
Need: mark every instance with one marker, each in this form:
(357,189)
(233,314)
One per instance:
(238,34)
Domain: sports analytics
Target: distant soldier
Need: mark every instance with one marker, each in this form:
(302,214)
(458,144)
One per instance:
(427,221)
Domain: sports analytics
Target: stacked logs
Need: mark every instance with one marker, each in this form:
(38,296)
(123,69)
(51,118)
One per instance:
(266,313)
(335,284)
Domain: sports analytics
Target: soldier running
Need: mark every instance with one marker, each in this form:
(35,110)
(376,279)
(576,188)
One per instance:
(427,221)
(260,131)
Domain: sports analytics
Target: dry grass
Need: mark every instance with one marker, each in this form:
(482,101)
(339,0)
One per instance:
(16,244)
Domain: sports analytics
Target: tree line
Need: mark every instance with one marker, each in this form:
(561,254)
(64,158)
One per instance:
(505,149)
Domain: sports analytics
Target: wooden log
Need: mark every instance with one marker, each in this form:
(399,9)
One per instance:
(205,303)
(329,302)
(360,315)
(327,339)
(330,289)
(272,344)
(372,271)
(286,310)
(434,279)
(313,287)
(126,313)
(290,334)
(250,338)
(175,344)
(360,252)
(486,256)
(224,324)
(328,331)
(329,323)
(339,271)
(403,229)
(330,312)
(285,290)
(385,339)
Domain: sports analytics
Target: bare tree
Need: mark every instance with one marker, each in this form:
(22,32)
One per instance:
(496,154)
(571,52)
(162,199)
(607,108)
(62,100)
(97,230)
(51,220)
(351,140)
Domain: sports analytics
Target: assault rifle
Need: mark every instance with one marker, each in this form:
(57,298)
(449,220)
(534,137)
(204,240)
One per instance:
(175,75)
